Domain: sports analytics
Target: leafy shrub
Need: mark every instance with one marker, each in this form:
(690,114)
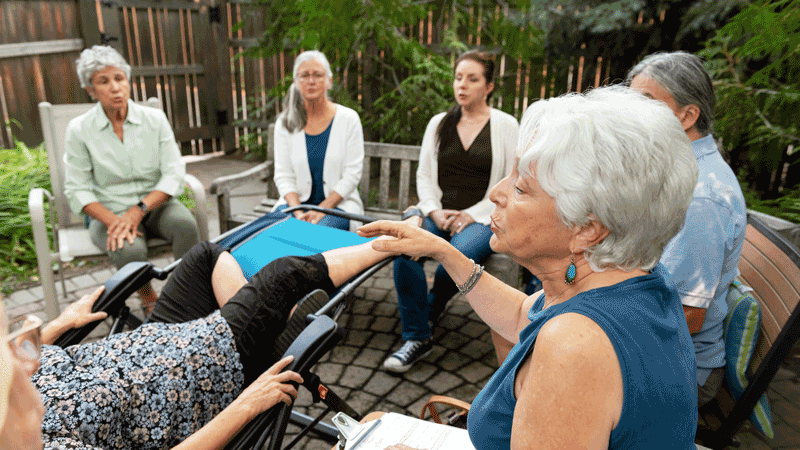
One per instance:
(23,168)
(753,61)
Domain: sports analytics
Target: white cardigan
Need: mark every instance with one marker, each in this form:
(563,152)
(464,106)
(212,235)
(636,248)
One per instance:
(503,128)
(341,171)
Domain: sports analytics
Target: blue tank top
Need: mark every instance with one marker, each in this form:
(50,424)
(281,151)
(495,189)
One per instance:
(644,321)
(316,146)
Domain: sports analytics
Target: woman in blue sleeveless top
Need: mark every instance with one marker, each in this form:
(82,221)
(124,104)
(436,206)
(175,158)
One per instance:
(602,357)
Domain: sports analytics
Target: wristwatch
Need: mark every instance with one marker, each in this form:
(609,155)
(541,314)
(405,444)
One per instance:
(142,206)
(412,212)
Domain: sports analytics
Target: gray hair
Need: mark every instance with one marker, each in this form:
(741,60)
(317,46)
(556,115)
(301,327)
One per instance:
(293,116)
(684,77)
(614,156)
(96,58)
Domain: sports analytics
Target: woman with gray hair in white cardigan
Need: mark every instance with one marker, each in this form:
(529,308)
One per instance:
(319,146)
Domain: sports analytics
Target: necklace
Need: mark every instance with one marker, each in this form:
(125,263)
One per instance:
(548,303)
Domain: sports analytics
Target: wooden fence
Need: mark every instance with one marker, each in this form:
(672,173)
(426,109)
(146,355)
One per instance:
(183,53)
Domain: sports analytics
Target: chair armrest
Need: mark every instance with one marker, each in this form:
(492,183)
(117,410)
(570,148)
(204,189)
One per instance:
(44,255)
(315,341)
(201,204)
(118,288)
(223,185)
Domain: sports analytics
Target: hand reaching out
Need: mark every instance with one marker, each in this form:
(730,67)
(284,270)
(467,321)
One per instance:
(410,240)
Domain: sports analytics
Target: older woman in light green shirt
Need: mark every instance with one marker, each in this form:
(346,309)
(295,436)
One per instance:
(123,168)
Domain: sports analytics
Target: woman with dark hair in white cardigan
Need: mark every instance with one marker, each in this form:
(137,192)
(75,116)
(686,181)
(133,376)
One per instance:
(319,146)
(465,152)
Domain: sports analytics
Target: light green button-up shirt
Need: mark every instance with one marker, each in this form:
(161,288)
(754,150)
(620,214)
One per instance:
(101,168)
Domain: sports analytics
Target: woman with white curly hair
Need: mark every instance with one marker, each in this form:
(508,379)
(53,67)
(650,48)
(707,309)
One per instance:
(602,357)
(123,168)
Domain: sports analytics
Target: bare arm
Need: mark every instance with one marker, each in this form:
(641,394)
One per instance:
(694,318)
(501,306)
(270,388)
(572,377)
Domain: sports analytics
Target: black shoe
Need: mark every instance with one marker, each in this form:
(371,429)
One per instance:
(409,353)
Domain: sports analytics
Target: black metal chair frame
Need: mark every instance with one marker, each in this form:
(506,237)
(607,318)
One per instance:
(318,338)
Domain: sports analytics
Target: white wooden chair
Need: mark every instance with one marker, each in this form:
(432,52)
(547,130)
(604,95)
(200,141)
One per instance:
(70,235)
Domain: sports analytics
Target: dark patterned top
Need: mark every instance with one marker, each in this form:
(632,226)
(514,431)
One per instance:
(147,389)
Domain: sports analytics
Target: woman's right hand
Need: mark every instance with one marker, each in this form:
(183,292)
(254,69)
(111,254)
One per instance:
(440,216)
(410,240)
(118,232)
(271,387)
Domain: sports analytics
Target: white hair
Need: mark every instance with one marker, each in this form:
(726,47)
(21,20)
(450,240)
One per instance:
(614,156)
(293,116)
(96,58)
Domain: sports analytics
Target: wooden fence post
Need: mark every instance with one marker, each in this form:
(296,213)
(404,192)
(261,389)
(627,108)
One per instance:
(218,73)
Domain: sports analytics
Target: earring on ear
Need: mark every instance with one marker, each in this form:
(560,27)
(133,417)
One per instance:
(572,271)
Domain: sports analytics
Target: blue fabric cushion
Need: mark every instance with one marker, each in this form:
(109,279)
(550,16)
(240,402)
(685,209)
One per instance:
(290,237)
(742,325)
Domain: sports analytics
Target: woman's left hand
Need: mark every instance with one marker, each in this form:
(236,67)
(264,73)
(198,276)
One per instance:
(76,315)
(457,222)
(80,313)
(312,216)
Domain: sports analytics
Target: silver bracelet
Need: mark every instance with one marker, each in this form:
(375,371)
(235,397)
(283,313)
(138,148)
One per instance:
(477,271)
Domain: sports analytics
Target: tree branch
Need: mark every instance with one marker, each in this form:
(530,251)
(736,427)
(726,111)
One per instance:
(777,130)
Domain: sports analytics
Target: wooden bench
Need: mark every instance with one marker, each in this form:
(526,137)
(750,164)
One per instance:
(770,265)
(380,205)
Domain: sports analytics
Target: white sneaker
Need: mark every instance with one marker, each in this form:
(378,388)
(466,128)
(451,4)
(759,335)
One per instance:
(409,353)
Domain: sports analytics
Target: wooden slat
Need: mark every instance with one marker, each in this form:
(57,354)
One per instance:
(384,183)
(393,151)
(751,276)
(405,182)
(772,285)
(364,184)
(170,69)
(40,48)
(789,268)
(168,4)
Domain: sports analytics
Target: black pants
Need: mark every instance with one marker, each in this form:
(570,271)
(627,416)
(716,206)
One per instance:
(257,313)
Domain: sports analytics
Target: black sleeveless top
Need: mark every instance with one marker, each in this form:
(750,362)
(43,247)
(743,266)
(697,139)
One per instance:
(464,174)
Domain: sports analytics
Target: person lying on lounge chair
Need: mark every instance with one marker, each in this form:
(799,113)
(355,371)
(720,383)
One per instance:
(177,381)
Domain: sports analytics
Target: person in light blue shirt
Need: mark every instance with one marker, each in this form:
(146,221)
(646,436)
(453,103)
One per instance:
(123,169)
(701,261)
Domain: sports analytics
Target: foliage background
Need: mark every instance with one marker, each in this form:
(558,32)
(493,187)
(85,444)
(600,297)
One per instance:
(750,48)
(23,168)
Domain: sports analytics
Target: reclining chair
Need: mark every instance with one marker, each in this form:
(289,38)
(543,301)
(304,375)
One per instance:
(307,338)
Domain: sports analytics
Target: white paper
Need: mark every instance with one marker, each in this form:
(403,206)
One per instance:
(399,429)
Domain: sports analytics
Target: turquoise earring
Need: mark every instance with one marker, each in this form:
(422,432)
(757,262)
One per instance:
(572,271)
